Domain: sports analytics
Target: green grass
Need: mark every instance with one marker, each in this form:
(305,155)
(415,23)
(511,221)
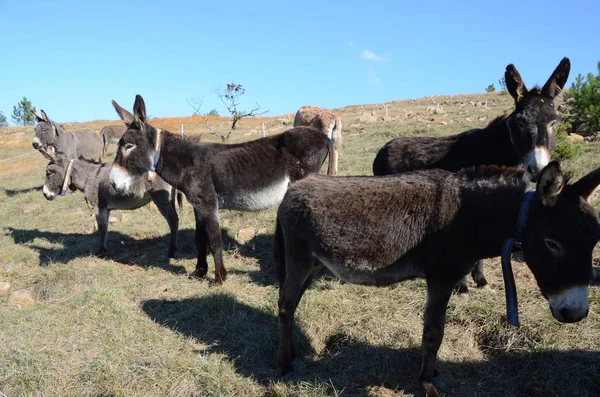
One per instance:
(133,324)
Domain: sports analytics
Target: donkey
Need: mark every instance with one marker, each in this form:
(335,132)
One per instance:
(249,176)
(93,180)
(434,224)
(526,137)
(329,123)
(48,134)
(111,134)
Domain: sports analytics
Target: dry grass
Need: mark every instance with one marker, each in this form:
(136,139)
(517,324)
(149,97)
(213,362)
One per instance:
(134,324)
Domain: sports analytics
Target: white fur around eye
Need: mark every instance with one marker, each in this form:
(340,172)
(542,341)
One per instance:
(129,148)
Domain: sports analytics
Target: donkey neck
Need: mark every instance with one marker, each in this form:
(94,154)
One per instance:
(493,211)
(82,171)
(489,145)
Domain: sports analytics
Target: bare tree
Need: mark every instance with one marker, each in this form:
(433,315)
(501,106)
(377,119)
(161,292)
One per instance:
(230,96)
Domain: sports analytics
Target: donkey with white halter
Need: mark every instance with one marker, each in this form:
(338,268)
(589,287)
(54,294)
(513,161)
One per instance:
(93,180)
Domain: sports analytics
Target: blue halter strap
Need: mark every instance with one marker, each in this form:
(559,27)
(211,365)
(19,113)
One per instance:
(156,153)
(512,309)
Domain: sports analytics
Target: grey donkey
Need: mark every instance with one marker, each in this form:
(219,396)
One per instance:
(93,180)
(50,136)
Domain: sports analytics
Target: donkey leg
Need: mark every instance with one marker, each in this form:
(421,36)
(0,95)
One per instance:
(478,276)
(461,287)
(438,295)
(201,264)
(102,216)
(299,265)
(213,232)
(165,206)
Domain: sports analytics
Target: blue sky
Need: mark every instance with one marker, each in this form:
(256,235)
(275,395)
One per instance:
(71,58)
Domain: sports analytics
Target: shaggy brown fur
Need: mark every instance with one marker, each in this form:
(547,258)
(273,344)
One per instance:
(433,224)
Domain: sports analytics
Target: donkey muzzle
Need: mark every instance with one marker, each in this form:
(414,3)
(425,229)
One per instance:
(571,305)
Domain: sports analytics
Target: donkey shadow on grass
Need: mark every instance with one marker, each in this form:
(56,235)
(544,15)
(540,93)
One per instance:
(12,193)
(248,336)
(145,252)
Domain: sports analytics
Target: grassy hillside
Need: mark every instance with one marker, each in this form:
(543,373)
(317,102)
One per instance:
(133,324)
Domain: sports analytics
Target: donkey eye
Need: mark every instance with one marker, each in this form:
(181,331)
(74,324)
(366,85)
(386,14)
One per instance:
(553,123)
(553,246)
(129,146)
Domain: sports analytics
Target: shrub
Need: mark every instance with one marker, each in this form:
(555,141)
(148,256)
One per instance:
(490,88)
(582,104)
(565,148)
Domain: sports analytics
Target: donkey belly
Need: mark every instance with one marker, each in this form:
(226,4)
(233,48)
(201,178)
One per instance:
(362,271)
(128,202)
(254,199)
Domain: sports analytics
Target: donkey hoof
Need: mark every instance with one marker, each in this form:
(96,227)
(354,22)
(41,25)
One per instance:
(285,369)
(462,289)
(171,253)
(220,277)
(198,274)
(101,253)
(430,390)
(482,284)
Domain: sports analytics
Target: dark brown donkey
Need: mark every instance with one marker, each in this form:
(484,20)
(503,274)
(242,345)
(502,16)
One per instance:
(524,137)
(434,224)
(249,176)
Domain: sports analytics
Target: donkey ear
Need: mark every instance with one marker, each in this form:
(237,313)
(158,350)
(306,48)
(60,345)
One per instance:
(123,114)
(56,129)
(45,116)
(558,79)
(514,83)
(139,108)
(550,183)
(37,118)
(587,185)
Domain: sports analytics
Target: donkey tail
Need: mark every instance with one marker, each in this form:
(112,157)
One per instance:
(279,253)
(179,195)
(331,155)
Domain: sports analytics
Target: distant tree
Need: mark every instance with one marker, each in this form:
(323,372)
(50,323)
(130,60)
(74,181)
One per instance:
(22,113)
(490,88)
(582,104)
(213,112)
(3,122)
(230,96)
(502,84)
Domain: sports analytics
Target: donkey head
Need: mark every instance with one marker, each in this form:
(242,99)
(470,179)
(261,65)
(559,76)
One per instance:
(45,132)
(532,123)
(561,232)
(55,174)
(134,157)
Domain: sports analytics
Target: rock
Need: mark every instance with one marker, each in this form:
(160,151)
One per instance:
(388,118)
(4,287)
(92,264)
(245,234)
(21,298)
(368,118)
(112,219)
(576,138)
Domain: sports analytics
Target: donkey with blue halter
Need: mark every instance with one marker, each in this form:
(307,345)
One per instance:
(93,180)
(434,224)
(524,137)
(249,176)
(50,136)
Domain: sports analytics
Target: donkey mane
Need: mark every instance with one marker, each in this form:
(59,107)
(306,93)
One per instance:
(494,173)
(188,138)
